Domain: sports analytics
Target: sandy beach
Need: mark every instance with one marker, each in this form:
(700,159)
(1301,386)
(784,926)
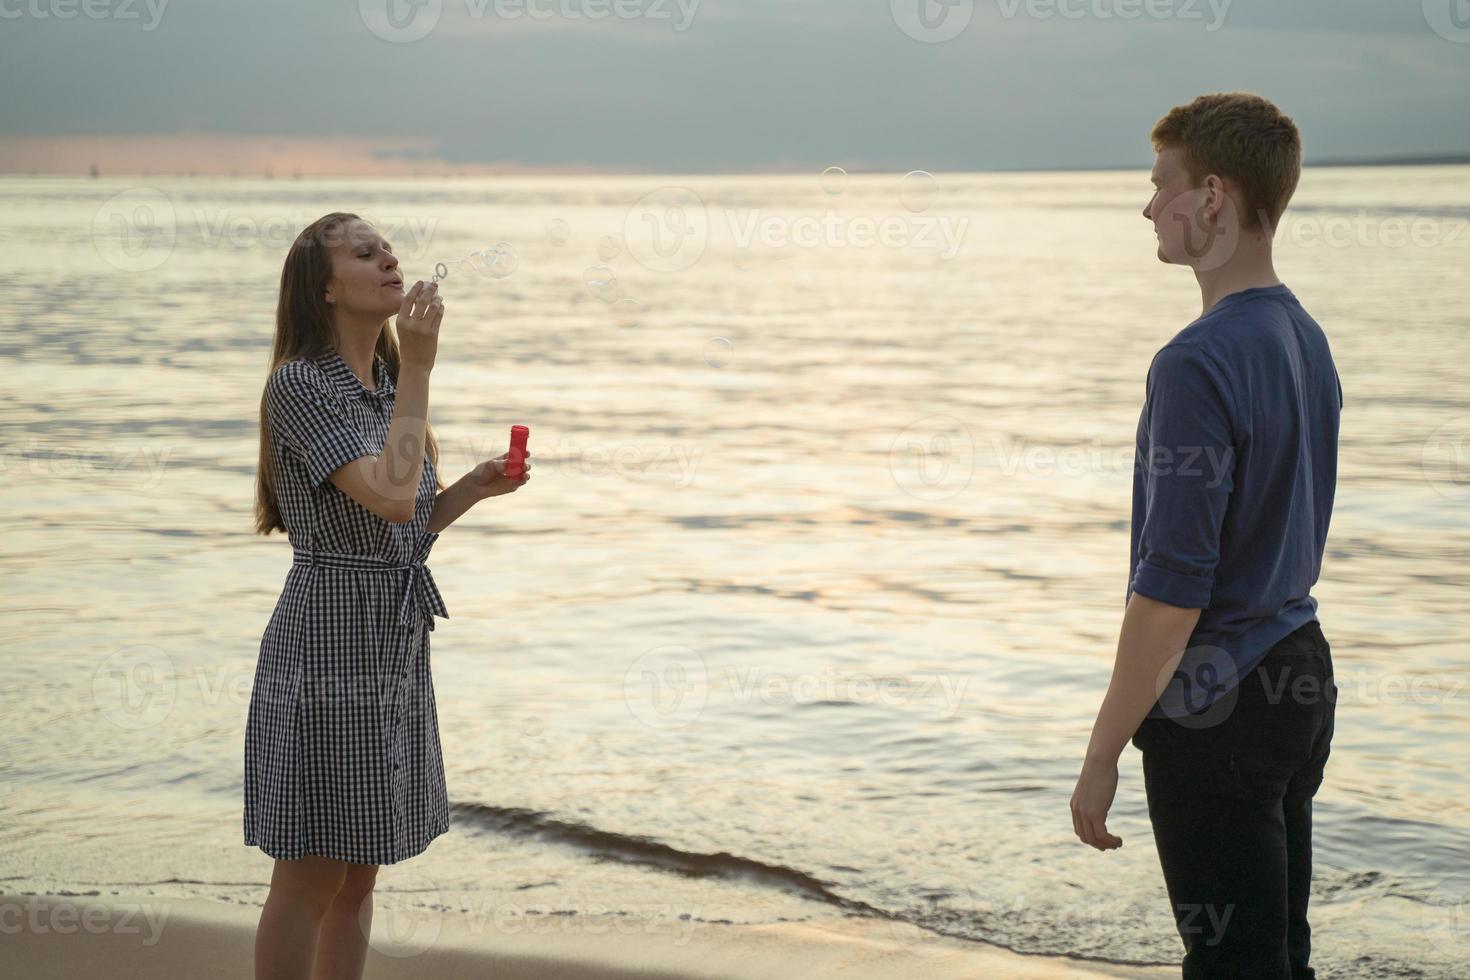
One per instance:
(50,936)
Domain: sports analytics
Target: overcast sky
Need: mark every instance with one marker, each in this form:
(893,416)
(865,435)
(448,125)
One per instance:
(711,86)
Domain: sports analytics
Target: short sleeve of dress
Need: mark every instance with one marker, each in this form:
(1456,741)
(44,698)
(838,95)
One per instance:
(307,418)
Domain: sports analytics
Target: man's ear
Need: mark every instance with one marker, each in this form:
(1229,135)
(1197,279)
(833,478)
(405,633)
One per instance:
(1220,191)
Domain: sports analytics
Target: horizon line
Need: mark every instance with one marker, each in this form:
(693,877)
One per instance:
(1402,160)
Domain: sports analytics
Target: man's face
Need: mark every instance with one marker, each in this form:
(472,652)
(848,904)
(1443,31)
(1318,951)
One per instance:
(1196,224)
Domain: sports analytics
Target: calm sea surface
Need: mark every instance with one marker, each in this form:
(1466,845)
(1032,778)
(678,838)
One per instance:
(816,592)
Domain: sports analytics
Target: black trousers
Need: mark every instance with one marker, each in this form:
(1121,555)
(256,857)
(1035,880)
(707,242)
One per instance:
(1230,799)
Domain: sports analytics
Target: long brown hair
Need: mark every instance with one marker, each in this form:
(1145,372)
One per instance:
(304,329)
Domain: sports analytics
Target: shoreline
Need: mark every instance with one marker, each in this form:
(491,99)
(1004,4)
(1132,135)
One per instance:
(124,936)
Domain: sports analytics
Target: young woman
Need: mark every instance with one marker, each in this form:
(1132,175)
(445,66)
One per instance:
(343,770)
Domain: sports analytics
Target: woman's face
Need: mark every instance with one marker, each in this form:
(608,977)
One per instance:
(365,278)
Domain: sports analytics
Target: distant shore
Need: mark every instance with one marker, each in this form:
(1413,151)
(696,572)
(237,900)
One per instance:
(1445,160)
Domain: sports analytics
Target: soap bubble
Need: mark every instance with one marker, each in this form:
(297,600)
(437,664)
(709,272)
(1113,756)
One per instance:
(558,232)
(608,248)
(717,352)
(627,312)
(917,190)
(495,262)
(834,179)
(602,283)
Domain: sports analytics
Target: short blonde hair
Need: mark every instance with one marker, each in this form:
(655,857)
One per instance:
(1243,137)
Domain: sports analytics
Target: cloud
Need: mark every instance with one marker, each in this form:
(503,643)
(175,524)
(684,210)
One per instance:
(750,85)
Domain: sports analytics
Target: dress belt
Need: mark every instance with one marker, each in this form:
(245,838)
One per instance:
(420,581)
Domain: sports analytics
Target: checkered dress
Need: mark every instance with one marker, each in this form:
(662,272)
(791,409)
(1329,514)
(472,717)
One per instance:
(342,755)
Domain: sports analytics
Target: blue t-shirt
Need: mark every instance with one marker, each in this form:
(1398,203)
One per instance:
(1233,480)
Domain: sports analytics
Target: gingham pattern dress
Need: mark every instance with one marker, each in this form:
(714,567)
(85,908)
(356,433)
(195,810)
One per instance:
(342,754)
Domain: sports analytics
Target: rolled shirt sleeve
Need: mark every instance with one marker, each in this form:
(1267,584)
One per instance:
(1187,465)
(307,417)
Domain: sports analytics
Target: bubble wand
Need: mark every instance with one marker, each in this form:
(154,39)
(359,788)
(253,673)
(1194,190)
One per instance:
(495,262)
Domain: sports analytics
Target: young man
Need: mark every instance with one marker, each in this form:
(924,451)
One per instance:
(1223,678)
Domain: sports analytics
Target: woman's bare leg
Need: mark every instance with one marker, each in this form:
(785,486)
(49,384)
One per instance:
(341,947)
(301,892)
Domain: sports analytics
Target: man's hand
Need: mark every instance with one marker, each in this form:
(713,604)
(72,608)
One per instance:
(488,479)
(1091,800)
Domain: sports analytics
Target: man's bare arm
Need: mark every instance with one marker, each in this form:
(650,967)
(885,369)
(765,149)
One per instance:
(1150,645)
